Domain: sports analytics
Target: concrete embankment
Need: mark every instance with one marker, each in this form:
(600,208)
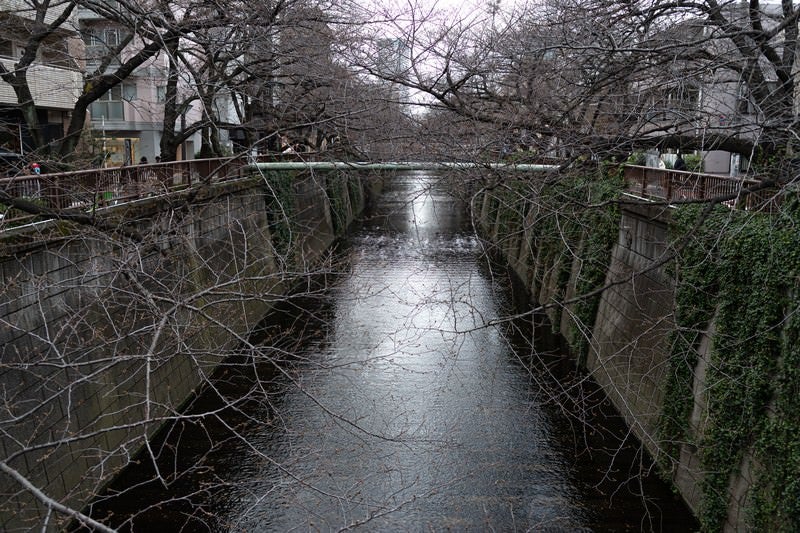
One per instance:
(680,384)
(106,332)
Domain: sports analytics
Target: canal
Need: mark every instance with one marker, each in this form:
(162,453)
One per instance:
(381,401)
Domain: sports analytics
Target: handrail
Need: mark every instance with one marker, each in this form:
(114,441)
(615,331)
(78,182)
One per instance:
(401,165)
(677,186)
(94,188)
(90,189)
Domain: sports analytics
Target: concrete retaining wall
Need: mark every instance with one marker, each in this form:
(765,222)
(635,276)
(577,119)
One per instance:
(629,350)
(629,347)
(104,334)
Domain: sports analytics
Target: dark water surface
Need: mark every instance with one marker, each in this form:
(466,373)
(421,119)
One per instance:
(399,411)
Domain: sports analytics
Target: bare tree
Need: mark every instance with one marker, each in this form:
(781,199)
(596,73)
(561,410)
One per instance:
(600,78)
(595,82)
(573,82)
(123,334)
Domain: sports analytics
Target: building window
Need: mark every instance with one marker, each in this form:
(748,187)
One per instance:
(129,92)
(112,37)
(109,106)
(108,38)
(57,54)
(91,37)
(6,48)
(11,49)
(683,97)
(743,104)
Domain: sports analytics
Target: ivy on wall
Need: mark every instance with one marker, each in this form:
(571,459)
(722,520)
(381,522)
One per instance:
(345,198)
(338,193)
(281,198)
(569,220)
(695,299)
(741,270)
(737,268)
(600,228)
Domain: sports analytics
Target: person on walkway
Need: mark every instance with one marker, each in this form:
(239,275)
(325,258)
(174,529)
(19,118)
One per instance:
(680,164)
(143,160)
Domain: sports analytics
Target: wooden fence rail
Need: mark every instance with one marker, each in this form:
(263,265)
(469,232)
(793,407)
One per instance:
(90,189)
(676,186)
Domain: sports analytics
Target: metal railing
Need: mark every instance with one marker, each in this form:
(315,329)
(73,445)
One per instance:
(677,185)
(91,189)
(87,190)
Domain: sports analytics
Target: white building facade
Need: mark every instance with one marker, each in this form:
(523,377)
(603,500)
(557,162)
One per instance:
(128,119)
(54,78)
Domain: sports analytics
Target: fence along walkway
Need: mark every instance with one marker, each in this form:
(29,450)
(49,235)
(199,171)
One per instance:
(676,186)
(88,190)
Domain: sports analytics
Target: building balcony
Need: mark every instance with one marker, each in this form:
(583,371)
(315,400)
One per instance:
(52,87)
(23,9)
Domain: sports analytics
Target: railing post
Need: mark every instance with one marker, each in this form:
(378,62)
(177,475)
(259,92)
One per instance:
(670,176)
(55,194)
(701,186)
(643,182)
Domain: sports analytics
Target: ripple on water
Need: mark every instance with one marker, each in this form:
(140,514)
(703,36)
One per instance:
(405,413)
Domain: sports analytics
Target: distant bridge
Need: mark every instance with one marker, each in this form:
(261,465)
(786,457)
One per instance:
(402,165)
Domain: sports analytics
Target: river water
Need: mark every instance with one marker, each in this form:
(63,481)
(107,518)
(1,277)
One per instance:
(399,410)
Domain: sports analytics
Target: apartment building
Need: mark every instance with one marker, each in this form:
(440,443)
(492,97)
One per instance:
(128,119)
(54,77)
(711,97)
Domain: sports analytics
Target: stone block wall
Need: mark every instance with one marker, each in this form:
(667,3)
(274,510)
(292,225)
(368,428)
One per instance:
(105,333)
(629,345)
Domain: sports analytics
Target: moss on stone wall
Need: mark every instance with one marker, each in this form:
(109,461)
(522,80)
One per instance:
(571,226)
(207,271)
(740,270)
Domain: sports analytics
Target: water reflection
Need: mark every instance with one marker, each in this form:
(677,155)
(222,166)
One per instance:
(426,424)
(401,411)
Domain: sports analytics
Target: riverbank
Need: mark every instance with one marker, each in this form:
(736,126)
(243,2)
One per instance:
(107,329)
(683,316)
(379,399)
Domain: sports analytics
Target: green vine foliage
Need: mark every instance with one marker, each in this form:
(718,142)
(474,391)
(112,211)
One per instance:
(356,192)
(339,198)
(695,297)
(735,268)
(281,199)
(346,198)
(740,270)
(599,228)
(571,224)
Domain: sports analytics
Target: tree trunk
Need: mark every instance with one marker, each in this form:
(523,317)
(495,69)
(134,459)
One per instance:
(169,140)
